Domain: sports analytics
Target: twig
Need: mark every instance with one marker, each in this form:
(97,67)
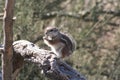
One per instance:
(1,49)
(1,14)
(80,15)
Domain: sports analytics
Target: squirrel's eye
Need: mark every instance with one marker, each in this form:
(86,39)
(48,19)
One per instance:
(51,30)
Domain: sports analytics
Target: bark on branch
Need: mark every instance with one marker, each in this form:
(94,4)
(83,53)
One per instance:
(51,66)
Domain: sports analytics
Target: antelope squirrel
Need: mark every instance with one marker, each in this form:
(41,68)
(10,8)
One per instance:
(61,44)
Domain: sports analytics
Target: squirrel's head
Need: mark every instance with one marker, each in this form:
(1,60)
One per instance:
(51,33)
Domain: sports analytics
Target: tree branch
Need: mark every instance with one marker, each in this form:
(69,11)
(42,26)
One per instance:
(52,67)
(80,15)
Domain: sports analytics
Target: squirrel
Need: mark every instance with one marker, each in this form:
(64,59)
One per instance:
(61,44)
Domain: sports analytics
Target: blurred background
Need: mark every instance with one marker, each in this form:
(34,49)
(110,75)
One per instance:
(95,25)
